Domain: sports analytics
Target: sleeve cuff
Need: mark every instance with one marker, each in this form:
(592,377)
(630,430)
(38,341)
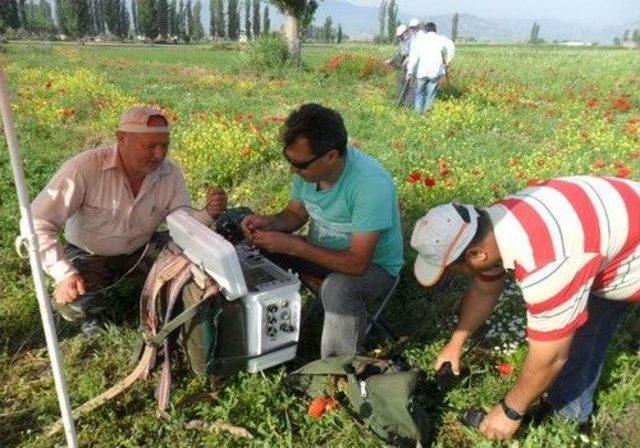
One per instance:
(60,270)
(203,217)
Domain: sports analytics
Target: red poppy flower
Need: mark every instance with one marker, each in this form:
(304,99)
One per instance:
(48,85)
(316,407)
(414,176)
(533,182)
(429,181)
(245,151)
(320,405)
(621,104)
(444,171)
(505,369)
(593,102)
(598,164)
(624,172)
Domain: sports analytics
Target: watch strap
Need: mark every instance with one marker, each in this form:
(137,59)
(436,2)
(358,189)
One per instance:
(510,412)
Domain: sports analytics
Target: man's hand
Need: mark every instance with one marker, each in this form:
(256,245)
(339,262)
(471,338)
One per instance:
(452,352)
(69,289)
(275,242)
(496,425)
(253,223)
(216,199)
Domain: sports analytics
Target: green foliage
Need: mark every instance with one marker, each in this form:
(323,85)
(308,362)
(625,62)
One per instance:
(148,18)
(534,38)
(10,15)
(233,17)
(266,21)
(196,29)
(454,26)
(268,52)
(392,20)
(356,66)
(255,30)
(509,115)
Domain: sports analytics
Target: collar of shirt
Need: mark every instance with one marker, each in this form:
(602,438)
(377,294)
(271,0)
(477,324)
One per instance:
(497,215)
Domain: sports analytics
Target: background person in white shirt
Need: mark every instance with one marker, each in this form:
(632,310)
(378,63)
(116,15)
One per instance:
(109,201)
(429,56)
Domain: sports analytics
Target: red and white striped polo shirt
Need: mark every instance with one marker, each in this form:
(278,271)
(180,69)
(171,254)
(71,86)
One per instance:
(565,239)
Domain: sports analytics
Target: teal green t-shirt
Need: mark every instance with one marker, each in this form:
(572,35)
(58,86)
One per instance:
(363,200)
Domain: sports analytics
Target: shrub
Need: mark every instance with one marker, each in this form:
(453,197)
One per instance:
(269,52)
(355,66)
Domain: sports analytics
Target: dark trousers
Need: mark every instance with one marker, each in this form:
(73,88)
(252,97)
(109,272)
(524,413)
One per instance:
(99,272)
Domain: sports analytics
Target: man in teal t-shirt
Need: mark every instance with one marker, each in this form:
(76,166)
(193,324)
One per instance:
(354,236)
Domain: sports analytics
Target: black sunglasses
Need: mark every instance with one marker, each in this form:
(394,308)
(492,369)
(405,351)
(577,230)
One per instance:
(301,165)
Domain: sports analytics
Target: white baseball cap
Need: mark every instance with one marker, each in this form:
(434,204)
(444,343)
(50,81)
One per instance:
(136,120)
(414,23)
(440,237)
(401,30)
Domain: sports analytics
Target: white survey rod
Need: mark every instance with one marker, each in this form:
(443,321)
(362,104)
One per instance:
(36,267)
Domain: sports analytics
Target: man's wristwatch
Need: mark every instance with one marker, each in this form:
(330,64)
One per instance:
(510,412)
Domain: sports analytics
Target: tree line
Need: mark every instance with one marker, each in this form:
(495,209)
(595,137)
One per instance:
(628,36)
(157,20)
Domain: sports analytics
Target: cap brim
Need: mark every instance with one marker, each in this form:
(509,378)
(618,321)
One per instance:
(427,274)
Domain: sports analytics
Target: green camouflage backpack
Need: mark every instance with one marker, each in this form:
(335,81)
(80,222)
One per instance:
(377,392)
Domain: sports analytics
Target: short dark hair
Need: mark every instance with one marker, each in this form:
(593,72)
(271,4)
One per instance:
(484,226)
(155,118)
(323,127)
(430,26)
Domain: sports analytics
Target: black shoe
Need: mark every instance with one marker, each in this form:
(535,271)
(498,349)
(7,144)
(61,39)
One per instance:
(586,428)
(538,412)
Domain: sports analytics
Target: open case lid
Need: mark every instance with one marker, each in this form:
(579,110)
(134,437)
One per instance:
(210,251)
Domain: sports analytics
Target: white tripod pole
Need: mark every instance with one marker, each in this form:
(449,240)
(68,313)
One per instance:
(36,267)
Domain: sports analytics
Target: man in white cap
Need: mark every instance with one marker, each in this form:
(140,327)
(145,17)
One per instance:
(110,201)
(429,58)
(573,245)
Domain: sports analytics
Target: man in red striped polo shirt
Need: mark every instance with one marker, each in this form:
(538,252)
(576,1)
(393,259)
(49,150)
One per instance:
(573,245)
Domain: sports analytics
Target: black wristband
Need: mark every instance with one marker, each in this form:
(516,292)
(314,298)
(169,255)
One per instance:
(510,412)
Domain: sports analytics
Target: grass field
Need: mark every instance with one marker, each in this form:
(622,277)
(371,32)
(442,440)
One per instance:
(510,116)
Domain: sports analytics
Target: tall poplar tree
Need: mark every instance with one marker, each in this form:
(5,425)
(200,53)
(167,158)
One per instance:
(256,18)
(247,18)
(233,16)
(266,21)
(221,23)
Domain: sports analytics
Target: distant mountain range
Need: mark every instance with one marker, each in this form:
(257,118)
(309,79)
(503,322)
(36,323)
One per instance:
(362,22)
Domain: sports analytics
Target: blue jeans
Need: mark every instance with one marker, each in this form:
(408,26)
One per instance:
(571,394)
(426,90)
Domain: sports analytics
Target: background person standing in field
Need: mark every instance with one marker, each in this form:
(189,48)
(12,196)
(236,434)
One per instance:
(354,236)
(429,58)
(399,61)
(110,201)
(573,245)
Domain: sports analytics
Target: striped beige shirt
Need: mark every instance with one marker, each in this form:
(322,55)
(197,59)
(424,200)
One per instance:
(91,198)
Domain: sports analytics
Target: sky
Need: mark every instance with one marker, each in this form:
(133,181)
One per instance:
(592,12)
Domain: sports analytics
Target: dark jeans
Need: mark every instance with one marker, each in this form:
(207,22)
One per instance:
(100,272)
(571,394)
(347,301)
